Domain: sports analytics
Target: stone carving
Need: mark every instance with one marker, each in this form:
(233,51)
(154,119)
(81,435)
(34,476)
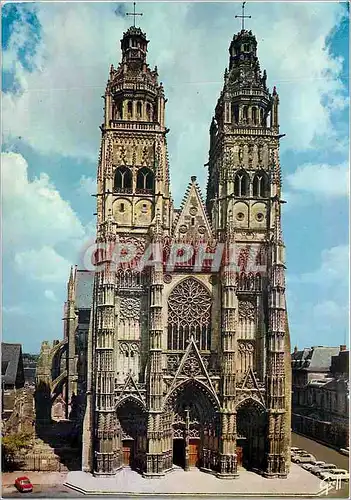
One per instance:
(191,366)
(245,347)
(189,313)
(127,348)
(173,361)
(167,278)
(246,310)
(130,308)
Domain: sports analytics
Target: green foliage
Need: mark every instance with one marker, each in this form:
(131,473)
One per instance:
(12,444)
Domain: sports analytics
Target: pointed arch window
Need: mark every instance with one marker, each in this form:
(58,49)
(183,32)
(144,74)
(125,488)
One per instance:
(241,184)
(189,314)
(236,114)
(123,180)
(262,117)
(139,110)
(254,115)
(261,185)
(130,109)
(145,181)
(148,112)
(245,113)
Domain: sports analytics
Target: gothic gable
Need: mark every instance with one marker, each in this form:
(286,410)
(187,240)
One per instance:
(192,366)
(192,220)
(129,389)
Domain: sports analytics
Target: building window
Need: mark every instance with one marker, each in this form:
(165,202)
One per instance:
(123,180)
(245,113)
(261,185)
(236,114)
(148,112)
(130,109)
(139,109)
(145,180)
(241,184)
(189,315)
(121,207)
(254,115)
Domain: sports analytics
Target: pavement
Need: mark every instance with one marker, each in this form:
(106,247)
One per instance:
(45,485)
(194,483)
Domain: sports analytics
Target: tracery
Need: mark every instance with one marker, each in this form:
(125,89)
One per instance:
(189,313)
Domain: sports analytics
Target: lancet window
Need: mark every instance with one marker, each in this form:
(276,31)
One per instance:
(241,184)
(123,179)
(261,185)
(145,180)
(189,314)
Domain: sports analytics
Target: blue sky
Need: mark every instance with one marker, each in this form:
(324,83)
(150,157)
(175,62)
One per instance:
(56,59)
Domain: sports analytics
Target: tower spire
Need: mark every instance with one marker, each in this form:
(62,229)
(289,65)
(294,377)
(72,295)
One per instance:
(134,14)
(243,17)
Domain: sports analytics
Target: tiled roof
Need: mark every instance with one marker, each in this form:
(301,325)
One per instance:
(84,289)
(321,358)
(10,359)
(317,358)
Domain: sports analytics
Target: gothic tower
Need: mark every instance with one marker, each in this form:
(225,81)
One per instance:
(186,356)
(132,197)
(244,202)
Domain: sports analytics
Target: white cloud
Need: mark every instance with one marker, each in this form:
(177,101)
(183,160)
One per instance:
(34,212)
(37,222)
(87,185)
(325,180)
(49,294)
(43,265)
(329,310)
(60,108)
(16,310)
(334,268)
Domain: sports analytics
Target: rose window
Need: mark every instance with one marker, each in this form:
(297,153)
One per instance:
(189,314)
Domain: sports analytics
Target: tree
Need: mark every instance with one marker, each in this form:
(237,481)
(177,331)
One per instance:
(12,445)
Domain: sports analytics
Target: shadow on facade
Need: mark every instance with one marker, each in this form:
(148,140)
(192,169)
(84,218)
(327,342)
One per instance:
(63,437)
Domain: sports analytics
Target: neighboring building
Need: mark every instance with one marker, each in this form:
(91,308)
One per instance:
(12,376)
(29,366)
(181,366)
(61,371)
(320,399)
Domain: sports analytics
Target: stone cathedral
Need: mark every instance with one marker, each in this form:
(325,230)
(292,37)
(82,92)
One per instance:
(188,364)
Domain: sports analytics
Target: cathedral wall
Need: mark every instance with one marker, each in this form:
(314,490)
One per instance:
(131,336)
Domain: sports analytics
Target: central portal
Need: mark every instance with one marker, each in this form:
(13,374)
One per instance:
(195,425)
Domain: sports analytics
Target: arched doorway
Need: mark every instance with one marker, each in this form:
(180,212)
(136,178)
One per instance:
(195,426)
(251,422)
(132,421)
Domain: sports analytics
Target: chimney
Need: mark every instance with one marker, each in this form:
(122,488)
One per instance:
(342,347)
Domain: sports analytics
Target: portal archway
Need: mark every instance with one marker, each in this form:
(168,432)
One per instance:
(251,422)
(195,426)
(132,420)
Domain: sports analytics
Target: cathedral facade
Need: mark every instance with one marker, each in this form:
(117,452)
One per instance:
(188,344)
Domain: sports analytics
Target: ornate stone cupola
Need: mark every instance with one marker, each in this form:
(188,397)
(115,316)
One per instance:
(133,92)
(245,99)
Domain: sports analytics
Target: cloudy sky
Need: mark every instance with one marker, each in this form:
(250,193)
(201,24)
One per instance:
(56,59)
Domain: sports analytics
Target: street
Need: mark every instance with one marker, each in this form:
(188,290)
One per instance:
(326,454)
(51,485)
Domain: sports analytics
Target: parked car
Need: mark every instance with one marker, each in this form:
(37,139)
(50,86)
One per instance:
(296,451)
(23,484)
(317,463)
(335,474)
(303,458)
(324,468)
